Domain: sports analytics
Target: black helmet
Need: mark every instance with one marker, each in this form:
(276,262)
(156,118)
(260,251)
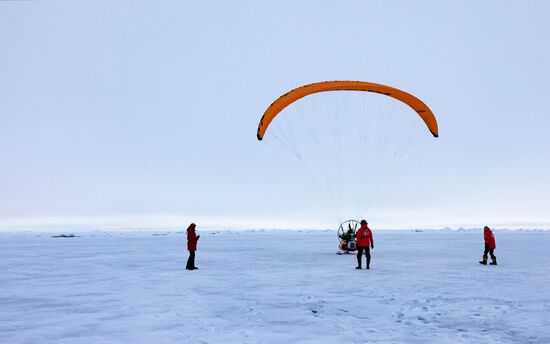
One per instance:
(363,222)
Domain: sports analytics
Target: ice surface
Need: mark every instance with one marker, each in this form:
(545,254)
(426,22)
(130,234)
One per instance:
(273,287)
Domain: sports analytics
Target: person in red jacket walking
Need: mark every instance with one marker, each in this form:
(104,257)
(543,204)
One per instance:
(192,239)
(364,242)
(490,246)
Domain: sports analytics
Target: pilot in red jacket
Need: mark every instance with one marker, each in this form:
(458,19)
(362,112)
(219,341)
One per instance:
(364,242)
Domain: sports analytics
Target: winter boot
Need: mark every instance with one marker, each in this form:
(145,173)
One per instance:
(484,261)
(493,261)
(358,267)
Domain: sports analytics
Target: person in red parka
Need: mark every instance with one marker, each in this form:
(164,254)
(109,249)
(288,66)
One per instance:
(364,242)
(490,246)
(192,239)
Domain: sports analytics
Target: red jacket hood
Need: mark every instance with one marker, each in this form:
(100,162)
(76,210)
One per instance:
(365,226)
(191,227)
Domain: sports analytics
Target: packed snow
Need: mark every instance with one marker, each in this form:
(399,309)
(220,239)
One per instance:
(273,287)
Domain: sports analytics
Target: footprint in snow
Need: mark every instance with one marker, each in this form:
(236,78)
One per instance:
(423,320)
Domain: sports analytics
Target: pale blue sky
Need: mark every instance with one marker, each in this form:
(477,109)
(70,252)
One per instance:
(144,114)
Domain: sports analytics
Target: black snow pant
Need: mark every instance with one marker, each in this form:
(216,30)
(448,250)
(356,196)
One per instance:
(490,251)
(191,261)
(360,250)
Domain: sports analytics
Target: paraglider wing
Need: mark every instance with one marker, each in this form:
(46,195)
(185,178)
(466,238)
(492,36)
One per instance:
(288,98)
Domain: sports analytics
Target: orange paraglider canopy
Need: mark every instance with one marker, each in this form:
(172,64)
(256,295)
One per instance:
(288,98)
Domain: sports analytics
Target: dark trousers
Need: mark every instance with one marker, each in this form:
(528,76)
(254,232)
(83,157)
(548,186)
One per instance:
(490,251)
(360,250)
(191,261)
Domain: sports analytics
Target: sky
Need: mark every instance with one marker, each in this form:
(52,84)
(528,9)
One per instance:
(141,114)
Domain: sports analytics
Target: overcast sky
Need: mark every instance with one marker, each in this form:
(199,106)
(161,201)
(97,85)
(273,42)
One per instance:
(144,114)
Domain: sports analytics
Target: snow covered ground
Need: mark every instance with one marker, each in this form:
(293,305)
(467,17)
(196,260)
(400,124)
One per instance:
(273,287)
